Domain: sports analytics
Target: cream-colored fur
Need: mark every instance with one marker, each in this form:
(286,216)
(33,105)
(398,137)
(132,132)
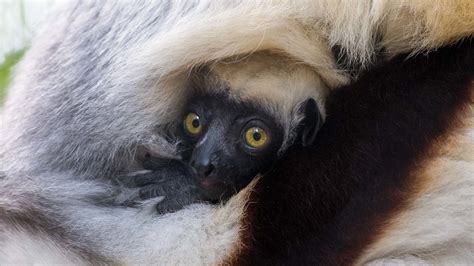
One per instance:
(303,30)
(278,83)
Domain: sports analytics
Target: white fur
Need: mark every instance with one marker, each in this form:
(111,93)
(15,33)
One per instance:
(25,248)
(198,235)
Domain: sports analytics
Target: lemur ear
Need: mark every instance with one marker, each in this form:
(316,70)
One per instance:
(311,122)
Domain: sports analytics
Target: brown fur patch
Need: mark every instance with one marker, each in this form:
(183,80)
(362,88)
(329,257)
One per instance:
(327,203)
(446,164)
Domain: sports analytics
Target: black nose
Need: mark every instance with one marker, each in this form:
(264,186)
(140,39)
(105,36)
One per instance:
(203,167)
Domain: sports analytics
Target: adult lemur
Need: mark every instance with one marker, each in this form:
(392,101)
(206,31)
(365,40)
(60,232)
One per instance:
(102,82)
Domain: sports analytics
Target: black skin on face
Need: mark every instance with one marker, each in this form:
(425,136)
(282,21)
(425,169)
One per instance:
(224,144)
(223,162)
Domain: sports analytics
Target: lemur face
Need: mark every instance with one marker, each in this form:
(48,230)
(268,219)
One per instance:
(228,142)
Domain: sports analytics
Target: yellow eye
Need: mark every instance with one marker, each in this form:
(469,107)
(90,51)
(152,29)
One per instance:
(192,124)
(256,137)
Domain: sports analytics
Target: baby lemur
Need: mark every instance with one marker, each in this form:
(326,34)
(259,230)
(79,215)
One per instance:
(224,144)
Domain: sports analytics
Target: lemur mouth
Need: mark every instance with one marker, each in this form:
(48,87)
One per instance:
(210,183)
(213,189)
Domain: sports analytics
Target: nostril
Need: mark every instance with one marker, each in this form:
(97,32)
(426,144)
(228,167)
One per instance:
(208,170)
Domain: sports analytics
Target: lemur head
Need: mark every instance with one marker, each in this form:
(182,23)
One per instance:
(244,116)
(228,143)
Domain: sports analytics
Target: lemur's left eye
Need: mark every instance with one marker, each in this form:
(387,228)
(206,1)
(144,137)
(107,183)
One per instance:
(192,124)
(256,137)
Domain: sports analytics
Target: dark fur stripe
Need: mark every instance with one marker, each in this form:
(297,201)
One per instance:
(325,204)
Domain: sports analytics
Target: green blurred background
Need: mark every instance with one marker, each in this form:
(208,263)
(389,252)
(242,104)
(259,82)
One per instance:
(18,21)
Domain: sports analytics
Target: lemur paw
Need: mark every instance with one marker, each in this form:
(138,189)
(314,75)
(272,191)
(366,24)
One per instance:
(170,179)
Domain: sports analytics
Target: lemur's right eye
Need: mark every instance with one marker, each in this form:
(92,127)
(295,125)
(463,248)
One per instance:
(192,124)
(256,137)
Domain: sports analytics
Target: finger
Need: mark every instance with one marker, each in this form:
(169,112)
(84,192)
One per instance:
(154,163)
(148,179)
(128,180)
(140,180)
(149,192)
(137,173)
(167,207)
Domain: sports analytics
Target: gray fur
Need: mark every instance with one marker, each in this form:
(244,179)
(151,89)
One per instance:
(83,103)
(69,124)
(103,80)
(75,95)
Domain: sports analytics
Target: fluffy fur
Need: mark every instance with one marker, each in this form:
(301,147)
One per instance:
(103,79)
